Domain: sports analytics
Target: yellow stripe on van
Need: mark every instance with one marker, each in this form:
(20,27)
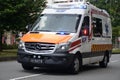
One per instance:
(101,47)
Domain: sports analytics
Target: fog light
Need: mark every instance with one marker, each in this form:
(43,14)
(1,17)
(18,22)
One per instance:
(34,56)
(39,56)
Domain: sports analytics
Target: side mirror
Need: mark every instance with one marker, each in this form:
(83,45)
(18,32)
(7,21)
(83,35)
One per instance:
(28,27)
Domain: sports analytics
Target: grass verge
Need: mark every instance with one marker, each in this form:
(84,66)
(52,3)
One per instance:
(8,53)
(116,51)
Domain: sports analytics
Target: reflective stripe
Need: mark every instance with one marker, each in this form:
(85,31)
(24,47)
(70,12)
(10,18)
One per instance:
(75,45)
(101,47)
(74,48)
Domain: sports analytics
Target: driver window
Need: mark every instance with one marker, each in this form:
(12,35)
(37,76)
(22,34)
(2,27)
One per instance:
(85,27)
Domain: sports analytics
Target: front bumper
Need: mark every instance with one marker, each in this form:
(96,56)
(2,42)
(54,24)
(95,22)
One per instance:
(45,60)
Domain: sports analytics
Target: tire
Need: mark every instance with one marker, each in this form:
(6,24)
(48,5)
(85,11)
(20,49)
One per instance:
(26,67)
(104,62)
(76,65)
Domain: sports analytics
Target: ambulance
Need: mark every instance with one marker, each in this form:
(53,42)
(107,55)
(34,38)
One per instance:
(67,34)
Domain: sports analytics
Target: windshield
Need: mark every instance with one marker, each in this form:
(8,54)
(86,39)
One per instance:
(57,23)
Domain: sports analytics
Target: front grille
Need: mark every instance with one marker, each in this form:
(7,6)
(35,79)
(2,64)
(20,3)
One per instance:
(39,47)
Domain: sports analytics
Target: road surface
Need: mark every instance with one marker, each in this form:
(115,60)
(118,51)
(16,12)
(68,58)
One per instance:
(11,70)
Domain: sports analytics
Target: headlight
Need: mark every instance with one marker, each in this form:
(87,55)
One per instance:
(63,47)
(21,45)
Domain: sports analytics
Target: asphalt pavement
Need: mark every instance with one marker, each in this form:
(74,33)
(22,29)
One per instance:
(12,70)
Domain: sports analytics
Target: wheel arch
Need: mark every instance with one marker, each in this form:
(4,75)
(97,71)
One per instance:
(79,55)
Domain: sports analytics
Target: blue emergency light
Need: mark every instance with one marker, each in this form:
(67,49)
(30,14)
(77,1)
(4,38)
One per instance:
(79,7)
(63,33)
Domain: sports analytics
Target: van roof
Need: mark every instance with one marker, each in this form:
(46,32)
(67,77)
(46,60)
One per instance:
(84,5)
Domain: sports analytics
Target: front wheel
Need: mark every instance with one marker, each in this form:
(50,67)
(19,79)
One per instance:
(76,65)
(26,67)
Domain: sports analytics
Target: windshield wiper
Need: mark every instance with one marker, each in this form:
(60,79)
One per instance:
(34,32)
(44,30)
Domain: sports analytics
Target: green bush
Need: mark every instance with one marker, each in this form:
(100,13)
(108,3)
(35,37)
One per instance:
(117,50)
(5,46)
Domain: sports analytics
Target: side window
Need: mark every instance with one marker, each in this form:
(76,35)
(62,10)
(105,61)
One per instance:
(97,27)
(85,27)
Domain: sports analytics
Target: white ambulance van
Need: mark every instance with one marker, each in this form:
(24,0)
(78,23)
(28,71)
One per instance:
(68,34)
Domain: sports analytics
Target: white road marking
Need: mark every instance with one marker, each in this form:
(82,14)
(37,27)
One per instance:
(114,61)
(24,77)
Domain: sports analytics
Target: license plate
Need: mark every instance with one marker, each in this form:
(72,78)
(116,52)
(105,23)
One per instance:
(36,60)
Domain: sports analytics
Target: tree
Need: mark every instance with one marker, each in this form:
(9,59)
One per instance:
(16,14)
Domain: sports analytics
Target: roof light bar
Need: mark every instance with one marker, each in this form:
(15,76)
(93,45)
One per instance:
(65,1)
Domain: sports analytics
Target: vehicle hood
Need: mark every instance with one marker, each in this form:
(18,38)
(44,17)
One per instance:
(45,38)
